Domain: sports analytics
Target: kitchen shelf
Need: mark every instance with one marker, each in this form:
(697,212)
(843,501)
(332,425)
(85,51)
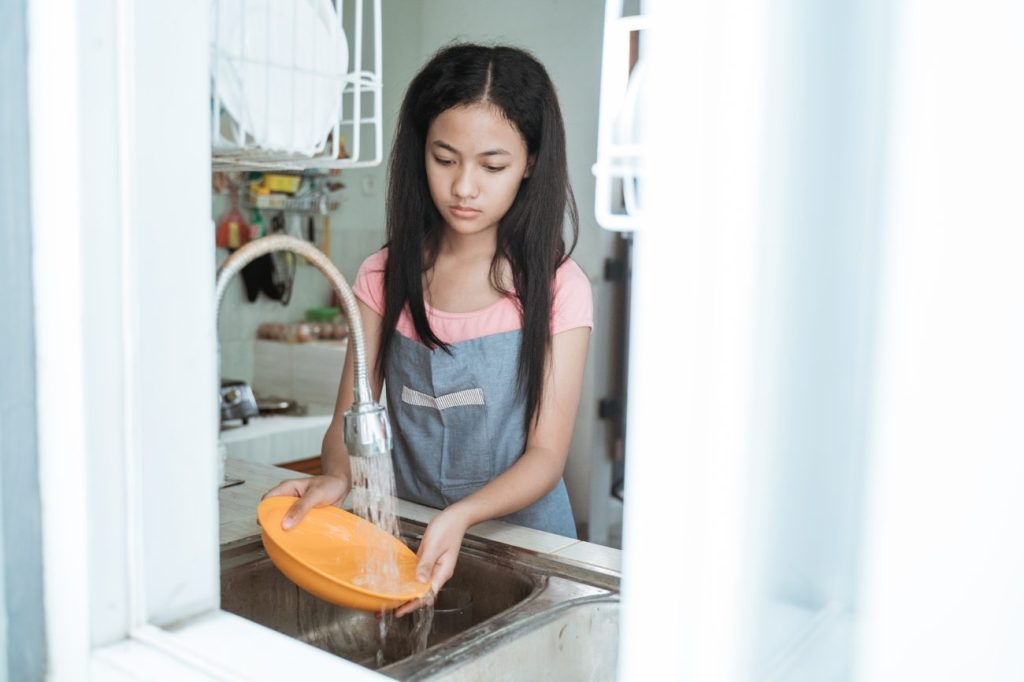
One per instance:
(318,204)
(238,142)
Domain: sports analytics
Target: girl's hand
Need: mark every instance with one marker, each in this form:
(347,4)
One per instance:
(439,550)
(315,491)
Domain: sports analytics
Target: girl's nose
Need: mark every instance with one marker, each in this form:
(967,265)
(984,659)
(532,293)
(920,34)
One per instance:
(464,186)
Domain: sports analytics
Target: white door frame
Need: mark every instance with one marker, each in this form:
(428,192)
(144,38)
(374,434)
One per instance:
(123,265)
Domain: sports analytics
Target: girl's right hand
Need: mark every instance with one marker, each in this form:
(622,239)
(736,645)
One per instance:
(314,491)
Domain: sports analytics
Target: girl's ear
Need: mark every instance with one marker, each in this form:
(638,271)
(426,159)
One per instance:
(529,166)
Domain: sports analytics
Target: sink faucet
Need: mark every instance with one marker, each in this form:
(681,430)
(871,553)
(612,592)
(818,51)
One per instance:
(367,430)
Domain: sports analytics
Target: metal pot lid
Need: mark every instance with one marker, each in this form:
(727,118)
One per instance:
(275,404)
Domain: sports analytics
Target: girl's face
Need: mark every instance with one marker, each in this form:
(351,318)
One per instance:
(475,162)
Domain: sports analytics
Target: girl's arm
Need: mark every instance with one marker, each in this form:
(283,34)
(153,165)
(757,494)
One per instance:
(332,486)
(533,476)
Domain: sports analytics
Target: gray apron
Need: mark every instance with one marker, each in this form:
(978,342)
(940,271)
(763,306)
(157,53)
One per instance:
(459,421)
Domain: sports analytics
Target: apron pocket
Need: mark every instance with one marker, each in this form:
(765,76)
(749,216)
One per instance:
(465,455)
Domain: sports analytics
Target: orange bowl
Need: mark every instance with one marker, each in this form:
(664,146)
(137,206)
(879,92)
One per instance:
(327,553)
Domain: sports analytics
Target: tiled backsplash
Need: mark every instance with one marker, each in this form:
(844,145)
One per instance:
(239,318)
(306,372)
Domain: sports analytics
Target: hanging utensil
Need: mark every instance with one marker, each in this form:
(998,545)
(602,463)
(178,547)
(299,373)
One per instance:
(283,261)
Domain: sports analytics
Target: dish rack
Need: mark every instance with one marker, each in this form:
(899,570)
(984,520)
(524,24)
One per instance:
(290,87)
(618,171)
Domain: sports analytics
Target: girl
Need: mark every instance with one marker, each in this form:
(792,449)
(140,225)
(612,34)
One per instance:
(475,317)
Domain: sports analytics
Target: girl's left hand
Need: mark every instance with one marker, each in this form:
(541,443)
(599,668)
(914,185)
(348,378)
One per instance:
(438,553)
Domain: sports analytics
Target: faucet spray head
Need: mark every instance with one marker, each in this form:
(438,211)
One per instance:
(367,430)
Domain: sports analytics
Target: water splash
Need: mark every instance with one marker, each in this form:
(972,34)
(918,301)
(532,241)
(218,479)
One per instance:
(374,499)
(397,639)
(422,623)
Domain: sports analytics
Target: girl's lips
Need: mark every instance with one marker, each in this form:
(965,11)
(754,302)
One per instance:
(463,212)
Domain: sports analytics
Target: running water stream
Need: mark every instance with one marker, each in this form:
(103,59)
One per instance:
(373,499)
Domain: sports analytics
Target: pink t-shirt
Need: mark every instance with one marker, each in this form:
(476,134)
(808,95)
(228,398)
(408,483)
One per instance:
(572,307)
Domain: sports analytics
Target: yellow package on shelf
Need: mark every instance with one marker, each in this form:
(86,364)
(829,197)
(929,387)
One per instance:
(282,183)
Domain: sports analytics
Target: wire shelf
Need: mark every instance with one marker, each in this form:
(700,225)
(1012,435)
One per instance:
(618,171)
(289,86)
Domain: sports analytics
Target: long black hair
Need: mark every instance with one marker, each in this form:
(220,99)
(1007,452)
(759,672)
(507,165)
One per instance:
(529,235)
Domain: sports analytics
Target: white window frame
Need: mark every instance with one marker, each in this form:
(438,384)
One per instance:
(123,282)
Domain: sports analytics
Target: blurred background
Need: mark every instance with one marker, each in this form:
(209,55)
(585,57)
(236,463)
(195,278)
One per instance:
(829,477)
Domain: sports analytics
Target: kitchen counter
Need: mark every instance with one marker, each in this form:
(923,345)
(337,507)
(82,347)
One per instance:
(238,519)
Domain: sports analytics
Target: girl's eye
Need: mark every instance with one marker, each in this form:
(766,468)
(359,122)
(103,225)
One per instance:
(494,169)
(443,162)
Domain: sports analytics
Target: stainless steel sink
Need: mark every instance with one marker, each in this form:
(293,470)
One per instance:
(577,642)
(531,616)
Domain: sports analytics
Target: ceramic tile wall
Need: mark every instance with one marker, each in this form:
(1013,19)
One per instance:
(239,318)
(308,372)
